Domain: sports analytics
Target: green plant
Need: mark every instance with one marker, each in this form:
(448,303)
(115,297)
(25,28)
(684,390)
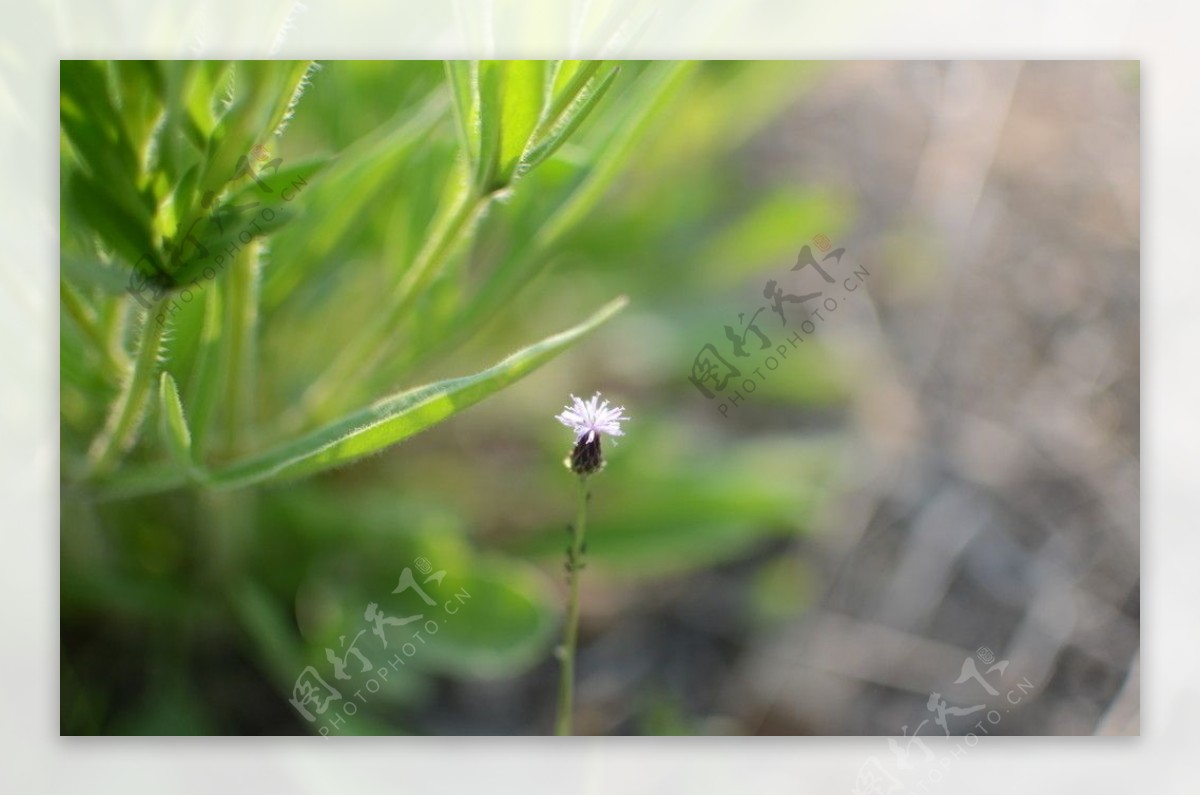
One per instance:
(377,226)
(589,420)
(150,147)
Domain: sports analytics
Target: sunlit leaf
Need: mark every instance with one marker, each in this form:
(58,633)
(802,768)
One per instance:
(521,106)
(394,419)
(172,424)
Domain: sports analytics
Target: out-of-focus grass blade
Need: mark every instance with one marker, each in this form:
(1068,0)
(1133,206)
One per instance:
(653,94)
(503,615)
(140,93)
(77,307)
(504,623)
(264,93)
(393,419)
(127,234)
(97,133)
(672,520)
(267,632)
(655,90)
(343,189)
(89,273)
(137,480)
(281,185)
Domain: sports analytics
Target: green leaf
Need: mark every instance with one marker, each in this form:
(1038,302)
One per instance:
(650,517)
(503,621)
(137,480)
(256,210)
(569,80)
(87,273)
(139,86)
(263,96)
(521,105)
(269,630)
(125,233)
(204,380)
(96,132)
(172,425)
(765,234)
(463,89)
(85,318)
(654,92)
(486,616)
(345,190)
(557,129)
(490,88)
(280,186)
(489,616)
(398,417)
(202,259)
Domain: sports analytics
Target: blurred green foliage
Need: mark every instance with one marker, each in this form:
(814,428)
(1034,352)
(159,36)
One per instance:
(227,508)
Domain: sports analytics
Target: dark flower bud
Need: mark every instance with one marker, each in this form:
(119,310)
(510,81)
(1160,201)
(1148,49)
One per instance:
(586,458)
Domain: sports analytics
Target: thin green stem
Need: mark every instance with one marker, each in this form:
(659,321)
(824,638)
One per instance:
(204,386)
(241,315)
(125,417)
(230,516)
(566,683)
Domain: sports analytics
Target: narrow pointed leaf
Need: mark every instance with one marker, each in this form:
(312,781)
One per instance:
(400,416)
(562,127)
(569,81)
(653,94)
(344,189)
(172,425)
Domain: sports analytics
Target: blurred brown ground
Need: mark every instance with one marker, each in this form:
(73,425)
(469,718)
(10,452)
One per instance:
(996,502)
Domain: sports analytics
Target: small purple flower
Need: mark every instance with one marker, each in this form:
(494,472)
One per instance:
(590,420)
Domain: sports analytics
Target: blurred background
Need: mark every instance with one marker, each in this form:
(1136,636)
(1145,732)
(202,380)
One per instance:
(943,468)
